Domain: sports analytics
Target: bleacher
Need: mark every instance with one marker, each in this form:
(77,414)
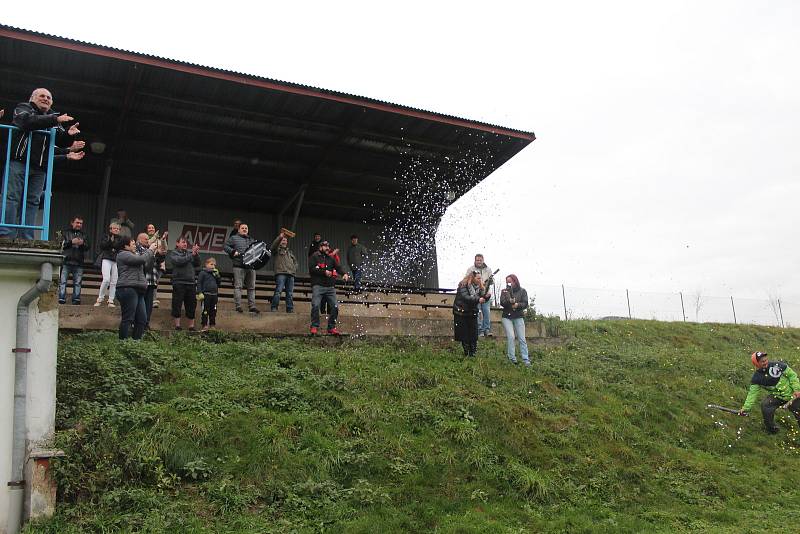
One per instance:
(379,309)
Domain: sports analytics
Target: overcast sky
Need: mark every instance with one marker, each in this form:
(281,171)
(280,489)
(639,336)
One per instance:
(667,154)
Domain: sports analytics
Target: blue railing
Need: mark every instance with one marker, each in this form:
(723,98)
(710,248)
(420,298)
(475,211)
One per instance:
(4,215)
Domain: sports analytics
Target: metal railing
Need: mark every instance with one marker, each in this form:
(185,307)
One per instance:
(4,215)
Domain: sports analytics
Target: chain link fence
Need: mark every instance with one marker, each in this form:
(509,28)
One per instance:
(588,303)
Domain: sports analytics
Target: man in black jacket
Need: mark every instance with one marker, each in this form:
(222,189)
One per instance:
(324,269)
(28,117)
(235,247)
(314,246)
(74,244)
(184,262)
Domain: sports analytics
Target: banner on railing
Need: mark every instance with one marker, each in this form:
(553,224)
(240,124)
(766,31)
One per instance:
(211,238)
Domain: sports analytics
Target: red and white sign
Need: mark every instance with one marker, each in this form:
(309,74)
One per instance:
(210,238)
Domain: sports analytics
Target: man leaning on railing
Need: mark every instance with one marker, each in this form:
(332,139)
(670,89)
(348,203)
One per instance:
(37,114)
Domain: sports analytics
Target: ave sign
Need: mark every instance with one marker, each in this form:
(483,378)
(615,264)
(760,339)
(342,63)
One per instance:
(210,238)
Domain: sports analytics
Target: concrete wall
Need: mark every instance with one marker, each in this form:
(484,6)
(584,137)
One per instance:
(43,327)
(263,226)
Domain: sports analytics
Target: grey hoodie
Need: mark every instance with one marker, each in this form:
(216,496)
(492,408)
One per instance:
(130,268)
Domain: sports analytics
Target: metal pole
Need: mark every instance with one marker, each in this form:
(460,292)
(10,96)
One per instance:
(734,311)
(564,296)
(24,201)
(628,297)
(783,325)
(297,208)
(48,187)
(683,310)
(5,177)
(101,212)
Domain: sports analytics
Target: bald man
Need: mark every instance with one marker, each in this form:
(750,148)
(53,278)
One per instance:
(36,114)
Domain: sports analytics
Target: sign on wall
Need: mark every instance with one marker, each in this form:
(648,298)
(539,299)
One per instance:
(211,238)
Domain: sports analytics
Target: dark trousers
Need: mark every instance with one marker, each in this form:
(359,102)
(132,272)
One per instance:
(465,330)
(770,404)
(324,295)
(209,315)
(470,347)
(149,297)
(77,276)
(183,294)
(357,273)
(133,312)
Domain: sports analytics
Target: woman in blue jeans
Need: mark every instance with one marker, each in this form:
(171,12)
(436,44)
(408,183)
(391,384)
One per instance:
(514,300)
(131,288)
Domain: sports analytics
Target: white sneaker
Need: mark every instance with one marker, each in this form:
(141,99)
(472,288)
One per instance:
(155,304)
(98,303)
(111,305)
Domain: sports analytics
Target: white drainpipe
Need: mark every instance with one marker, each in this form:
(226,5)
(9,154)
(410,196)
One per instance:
(21,353)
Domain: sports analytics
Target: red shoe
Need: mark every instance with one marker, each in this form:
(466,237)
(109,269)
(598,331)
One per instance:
(313,330)
(333,332)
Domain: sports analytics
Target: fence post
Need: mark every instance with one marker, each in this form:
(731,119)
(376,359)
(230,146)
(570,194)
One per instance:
(564,296)
(683,310)
(734,311)
(783,325)
(628,297)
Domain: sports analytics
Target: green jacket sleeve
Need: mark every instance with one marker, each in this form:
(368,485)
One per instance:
(752,396)
(792,377)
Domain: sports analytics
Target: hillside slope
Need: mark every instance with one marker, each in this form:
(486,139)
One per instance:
(607,432)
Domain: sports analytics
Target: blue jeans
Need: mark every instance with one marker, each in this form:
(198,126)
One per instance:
(515,328)
(16,187)
(484,326)
(77,276)
(328,294)
(357,273)
(133,311)
(283,282)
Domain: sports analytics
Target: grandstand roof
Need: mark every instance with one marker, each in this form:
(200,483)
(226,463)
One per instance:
(206,135)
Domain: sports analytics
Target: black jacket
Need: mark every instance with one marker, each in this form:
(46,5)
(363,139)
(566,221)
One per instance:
(74,254)
(507,300)
(238,243)
(318,263)
(183,265)
(27,118)
(109,246)
(467,300)
(208,282)
(313,247)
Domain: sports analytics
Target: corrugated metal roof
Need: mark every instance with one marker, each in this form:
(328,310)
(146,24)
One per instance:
(191,134)
(9,31)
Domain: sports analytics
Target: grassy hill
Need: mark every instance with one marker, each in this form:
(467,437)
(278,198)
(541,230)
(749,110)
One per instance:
(607,432)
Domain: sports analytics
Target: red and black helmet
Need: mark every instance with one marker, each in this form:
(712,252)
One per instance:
(757,356)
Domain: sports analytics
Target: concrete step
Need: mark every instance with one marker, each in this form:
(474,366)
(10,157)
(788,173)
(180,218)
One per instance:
(409,322)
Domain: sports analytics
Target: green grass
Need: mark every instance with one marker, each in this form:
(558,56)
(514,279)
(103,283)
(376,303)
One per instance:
(608,432)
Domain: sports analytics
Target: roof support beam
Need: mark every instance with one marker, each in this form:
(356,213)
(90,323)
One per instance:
(298,206)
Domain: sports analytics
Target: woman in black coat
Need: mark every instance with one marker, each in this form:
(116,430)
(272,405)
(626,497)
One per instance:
(469,296)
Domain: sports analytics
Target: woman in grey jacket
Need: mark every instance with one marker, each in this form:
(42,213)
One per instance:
(514,301)
(131,287)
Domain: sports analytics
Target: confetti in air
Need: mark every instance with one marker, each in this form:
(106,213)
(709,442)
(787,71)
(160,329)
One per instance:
(426,186)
